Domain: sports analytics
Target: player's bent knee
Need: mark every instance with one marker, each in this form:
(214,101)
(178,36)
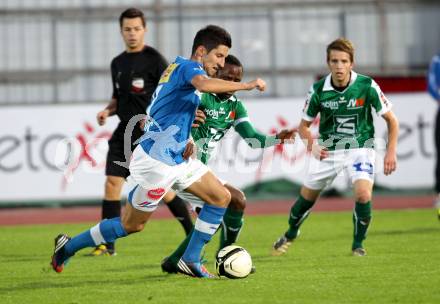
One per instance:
(309,194)
(363,196)
(238,200)
(223,198)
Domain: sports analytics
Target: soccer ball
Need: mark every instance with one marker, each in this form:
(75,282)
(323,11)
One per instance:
(233,262)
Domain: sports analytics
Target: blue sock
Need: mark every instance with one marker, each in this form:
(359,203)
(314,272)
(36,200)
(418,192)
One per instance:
(106,231)
(206,225)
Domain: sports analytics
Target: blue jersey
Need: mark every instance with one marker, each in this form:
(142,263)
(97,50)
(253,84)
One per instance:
(172,112)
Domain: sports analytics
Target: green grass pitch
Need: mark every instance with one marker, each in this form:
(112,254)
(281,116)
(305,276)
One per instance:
(402,266)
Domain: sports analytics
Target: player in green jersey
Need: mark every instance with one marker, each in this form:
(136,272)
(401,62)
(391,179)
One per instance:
(224,111)
(345,101)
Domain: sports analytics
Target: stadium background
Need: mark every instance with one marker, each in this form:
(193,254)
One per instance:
(54,77)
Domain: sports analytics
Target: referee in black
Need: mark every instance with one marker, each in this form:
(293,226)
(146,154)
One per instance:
(135,74)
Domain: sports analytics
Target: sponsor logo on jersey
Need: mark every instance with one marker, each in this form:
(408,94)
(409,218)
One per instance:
(214,113)
(155,193)
(330,104)
(137,85)
(356,103)
(167,73)
(342,99)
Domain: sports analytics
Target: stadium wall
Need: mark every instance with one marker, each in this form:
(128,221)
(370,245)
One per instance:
(58,152)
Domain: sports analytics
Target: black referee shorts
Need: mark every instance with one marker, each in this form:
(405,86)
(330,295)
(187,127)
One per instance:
(116,151)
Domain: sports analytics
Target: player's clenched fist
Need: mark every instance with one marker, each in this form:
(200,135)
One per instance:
(101,117)
(199,119)
(287,136)
(258,84)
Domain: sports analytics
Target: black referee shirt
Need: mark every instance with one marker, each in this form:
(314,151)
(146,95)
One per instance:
(135,77)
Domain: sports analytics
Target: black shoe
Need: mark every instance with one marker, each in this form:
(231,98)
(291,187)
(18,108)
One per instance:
(281,245)
(59,257)
(168,266)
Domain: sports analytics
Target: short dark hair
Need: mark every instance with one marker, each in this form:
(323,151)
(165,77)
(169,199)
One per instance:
(211,37)
(231,59)
(132,13)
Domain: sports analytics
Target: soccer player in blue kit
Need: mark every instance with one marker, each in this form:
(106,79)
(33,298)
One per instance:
(161,160)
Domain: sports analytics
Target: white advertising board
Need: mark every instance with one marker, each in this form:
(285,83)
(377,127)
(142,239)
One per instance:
(58,152)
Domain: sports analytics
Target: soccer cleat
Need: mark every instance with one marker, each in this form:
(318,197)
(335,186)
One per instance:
(281,246)
(168,266)
(196,270)
(438,213)
(359,252)
(102,250)
(59,257)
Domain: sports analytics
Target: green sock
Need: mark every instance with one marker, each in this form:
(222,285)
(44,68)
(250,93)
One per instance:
(177,254)
(361,221)
(298,213)
(231,227)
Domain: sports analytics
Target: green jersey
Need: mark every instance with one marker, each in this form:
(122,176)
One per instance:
(346,117)
(221,115)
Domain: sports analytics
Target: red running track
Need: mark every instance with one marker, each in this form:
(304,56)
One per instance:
(31,216)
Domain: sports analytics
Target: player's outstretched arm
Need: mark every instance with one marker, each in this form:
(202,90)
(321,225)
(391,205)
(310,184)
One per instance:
(110,110)
(312,147)
(253,138)
(390,159)
(247,131)
(215,85)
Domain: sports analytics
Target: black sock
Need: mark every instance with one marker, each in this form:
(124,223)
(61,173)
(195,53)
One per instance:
(180,211)
(110,209)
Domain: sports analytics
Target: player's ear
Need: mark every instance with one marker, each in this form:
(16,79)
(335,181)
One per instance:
(201,51)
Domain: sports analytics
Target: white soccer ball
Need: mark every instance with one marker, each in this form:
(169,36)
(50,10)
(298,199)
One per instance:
(233,262)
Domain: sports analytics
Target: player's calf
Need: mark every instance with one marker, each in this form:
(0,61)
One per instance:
(238,198)
(361,222)
(233,218)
